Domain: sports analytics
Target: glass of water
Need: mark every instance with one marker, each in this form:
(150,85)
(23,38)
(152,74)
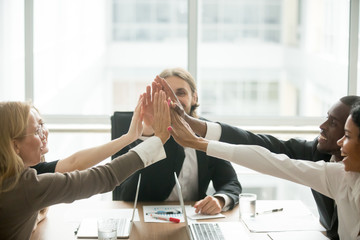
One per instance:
(247,205)
(107,229)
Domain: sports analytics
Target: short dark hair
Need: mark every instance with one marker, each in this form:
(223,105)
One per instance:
(355,114)
(350,100)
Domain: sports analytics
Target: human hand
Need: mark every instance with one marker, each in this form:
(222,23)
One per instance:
(170,94)
(161,116)
(184,135)
(209,205)
(136,127)
(148,109)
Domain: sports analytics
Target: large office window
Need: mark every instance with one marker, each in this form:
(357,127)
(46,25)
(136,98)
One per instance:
(272,57)
(12,84)
(256,58)
(95,57)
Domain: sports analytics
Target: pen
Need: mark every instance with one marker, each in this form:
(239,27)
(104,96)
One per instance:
(162,217)
(165,212)
(270,211)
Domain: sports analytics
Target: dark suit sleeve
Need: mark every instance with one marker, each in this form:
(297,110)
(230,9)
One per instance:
(222,175)
(294,148)
(225,181)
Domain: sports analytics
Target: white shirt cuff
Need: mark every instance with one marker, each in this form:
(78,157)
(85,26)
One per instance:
(227,200)
(213,131)
(150,151)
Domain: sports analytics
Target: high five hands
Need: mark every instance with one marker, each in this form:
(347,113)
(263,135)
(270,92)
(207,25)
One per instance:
(184,135)
(156,113)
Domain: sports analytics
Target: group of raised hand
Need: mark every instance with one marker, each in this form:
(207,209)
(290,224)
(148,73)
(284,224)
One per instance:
(160,113)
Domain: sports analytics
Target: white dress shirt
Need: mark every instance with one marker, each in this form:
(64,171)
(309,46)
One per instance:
(188,176)
(329,179)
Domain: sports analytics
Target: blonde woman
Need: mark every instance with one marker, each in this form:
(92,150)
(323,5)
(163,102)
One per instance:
(23,192)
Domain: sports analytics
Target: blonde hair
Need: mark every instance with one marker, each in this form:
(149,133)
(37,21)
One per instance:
(13,123)
(186,76)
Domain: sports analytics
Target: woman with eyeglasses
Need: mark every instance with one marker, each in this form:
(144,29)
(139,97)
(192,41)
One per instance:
(340,181)
(78,161)
(23,192)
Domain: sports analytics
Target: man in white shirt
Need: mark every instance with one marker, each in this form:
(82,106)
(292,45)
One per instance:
(195,170)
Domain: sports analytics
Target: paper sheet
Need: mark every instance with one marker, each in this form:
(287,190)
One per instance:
(294,217)
(297,235)
(190,211)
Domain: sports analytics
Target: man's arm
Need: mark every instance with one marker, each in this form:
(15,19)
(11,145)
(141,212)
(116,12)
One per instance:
(294,148)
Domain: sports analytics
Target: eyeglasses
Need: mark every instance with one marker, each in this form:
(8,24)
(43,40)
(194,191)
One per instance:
(39,132)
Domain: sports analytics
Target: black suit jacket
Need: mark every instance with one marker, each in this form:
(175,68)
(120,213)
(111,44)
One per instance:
(157,180)
(295,149)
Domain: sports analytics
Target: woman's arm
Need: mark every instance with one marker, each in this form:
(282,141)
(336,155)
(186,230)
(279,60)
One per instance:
(89,157)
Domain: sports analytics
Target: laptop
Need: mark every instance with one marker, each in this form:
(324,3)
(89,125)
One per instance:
(211,230)
(88,227)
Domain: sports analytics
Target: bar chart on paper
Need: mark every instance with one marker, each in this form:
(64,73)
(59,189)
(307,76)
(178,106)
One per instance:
(173,211)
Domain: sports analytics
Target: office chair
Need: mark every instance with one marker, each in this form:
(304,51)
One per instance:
(120,123)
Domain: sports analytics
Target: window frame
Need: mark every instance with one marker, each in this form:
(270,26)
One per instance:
(193,38)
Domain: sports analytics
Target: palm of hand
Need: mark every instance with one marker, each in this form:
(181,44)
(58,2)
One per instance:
(136,128)
(148,115)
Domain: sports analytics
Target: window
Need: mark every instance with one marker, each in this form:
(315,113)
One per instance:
(12,68)
(271,58)
(100,60)
(266,59)
(261,52)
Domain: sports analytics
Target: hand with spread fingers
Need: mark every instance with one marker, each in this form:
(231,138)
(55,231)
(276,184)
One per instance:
(170,94)
(198,125)
(161,116)
(183,134)
(136,127)
(148,108)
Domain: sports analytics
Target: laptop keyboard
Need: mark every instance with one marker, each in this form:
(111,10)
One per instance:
(208,231)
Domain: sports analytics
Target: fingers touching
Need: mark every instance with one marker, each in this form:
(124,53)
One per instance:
(161,116)
(136,127)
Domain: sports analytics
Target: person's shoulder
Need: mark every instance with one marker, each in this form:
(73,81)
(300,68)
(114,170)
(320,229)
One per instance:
(28,174)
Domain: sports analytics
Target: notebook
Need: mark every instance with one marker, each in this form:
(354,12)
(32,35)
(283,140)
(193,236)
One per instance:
(88,227)
(211,230)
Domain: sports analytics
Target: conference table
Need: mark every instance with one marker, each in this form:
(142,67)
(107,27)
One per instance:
(63,221)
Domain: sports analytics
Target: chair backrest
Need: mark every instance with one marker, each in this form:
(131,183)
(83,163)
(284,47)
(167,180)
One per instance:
(120,123)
